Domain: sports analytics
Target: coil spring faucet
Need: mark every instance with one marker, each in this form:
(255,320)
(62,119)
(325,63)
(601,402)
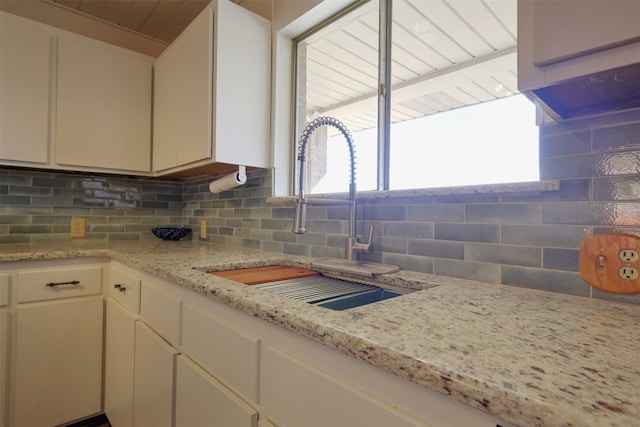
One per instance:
(352,246)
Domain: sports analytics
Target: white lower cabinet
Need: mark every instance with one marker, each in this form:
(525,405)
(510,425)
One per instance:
(154,379)
(58,362)
(186,360)
(161,308)
(298,393)
(4,334)
(56,342)
(120,334)
(226,350)
(5,282)
(201,400)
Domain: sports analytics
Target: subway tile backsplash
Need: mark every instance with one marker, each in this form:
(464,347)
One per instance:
(37,207)
(527,240)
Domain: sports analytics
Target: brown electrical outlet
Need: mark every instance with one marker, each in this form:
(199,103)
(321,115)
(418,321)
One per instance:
(78,227)
(611,262)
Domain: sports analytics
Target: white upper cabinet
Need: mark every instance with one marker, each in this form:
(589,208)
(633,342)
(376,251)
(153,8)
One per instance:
(212,92)
(103,106)
(579,58)
(582,30)
(71,102)
(24,90)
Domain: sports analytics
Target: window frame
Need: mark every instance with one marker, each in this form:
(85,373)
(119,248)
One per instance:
(383,170)
(384,82)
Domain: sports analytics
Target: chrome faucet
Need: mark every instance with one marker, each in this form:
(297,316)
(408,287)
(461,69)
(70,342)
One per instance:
(352,246)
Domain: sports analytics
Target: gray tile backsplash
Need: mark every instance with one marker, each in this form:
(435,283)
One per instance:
(528,240)
(37,207)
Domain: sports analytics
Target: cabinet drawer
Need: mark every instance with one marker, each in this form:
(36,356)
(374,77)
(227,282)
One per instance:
(124,287)
(56,283)
(162,311)
(231,355)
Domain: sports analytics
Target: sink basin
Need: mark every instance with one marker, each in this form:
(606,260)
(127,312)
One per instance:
(310,286)
(328,292)
(356,300)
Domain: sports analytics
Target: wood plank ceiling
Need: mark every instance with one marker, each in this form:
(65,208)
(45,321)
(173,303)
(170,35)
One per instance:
(161,20)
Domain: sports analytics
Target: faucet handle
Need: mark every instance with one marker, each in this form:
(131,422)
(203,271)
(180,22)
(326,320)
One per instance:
(370,236)
(364,247)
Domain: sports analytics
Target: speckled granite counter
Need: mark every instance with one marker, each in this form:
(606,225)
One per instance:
(531,358)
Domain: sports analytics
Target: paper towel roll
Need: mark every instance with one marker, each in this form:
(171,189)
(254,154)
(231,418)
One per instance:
(227,182)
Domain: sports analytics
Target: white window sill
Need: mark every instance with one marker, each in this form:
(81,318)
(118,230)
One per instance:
(516,188)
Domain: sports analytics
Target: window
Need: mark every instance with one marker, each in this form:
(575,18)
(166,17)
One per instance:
(455,116)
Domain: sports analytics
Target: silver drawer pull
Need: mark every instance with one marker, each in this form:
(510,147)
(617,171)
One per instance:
(54,284)
(120,287)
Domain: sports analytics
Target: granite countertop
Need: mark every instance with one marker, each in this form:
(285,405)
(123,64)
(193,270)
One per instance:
(528,357)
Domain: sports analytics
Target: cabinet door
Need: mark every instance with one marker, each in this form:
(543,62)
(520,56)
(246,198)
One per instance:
(154,379)
(58,364)
(565,29)
(232,355)
(24,90)
(104,106)
(161,310)
(5,281)
(182,116)
(119,364)
(296,393)
(4,352)
(212,92)
(201,400)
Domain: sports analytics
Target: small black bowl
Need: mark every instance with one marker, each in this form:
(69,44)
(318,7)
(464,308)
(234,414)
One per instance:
(172,233)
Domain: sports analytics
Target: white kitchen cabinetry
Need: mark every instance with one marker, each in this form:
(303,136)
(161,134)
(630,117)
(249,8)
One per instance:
(574,58)
(122,313)
(57,345)
(161,309)
(231,354)
(202,400)
(70,102)
(5,282)
(201,364)
(25,83)
(299,382)
(154,379)
(305,383)
(120,332)
(211,92)
(103,106)
(125,286)
(298,393)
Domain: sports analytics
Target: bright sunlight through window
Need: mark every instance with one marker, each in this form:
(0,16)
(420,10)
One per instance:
(457,118)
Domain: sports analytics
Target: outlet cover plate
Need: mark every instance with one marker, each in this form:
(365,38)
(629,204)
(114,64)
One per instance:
(601,262)
(78,227)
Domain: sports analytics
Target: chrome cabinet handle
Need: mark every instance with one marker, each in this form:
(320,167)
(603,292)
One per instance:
(54,284)
(120,287)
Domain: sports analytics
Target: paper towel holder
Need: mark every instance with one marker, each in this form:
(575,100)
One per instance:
(230,181)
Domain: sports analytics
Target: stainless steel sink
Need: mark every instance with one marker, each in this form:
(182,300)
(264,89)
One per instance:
(330,293)
(356,300)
